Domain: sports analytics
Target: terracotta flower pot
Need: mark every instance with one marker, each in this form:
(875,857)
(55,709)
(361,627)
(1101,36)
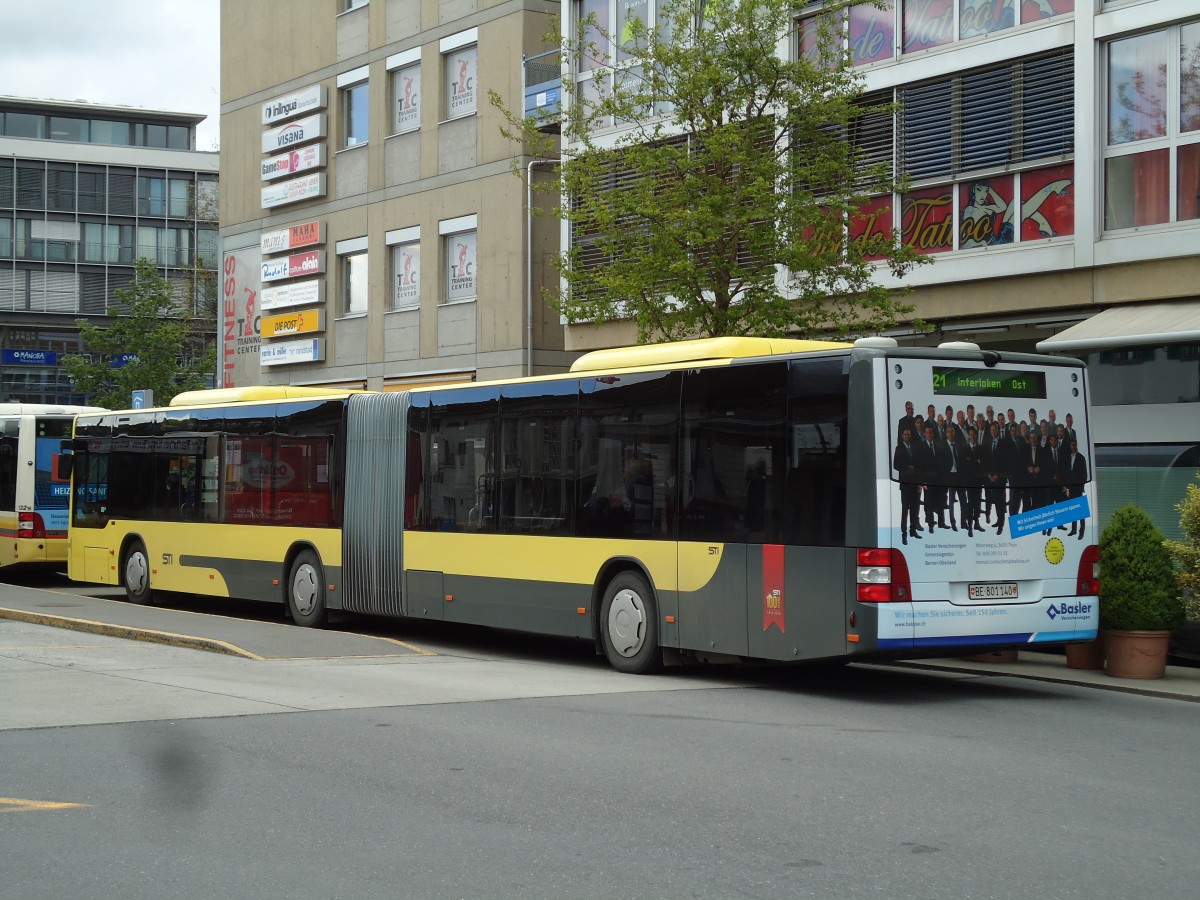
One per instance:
(1086,655)
(1136,654)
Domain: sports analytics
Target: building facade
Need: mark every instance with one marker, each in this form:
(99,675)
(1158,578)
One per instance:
(375,233)
(1052,149)
(84,191)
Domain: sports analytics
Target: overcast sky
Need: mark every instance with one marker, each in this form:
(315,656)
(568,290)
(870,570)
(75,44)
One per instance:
(154,54)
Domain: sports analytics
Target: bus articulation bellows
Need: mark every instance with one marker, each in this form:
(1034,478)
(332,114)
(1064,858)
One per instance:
(713,500)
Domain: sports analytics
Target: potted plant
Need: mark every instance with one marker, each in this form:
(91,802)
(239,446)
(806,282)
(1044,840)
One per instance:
(1139,597)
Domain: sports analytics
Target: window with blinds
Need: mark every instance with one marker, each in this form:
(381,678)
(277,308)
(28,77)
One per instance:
(989,118)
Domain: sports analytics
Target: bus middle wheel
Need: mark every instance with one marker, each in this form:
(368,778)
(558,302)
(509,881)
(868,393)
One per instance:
(306,590)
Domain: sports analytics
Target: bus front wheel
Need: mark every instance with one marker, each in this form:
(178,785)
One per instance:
(629,625)
(136,575)
(306,590)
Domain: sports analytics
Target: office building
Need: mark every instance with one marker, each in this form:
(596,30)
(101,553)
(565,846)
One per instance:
(84,191)
(374,232)
(1053,152)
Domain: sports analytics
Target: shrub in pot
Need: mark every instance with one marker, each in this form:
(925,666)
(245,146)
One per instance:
(1139,596)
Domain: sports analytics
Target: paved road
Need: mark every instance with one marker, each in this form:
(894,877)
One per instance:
(477,764)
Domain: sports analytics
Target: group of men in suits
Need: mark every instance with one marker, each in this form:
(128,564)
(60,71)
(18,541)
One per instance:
(984,464)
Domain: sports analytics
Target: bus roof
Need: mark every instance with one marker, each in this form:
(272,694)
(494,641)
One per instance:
(702,349)
(253,393)
(45,409)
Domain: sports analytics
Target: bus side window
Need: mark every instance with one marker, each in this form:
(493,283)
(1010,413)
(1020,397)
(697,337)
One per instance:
(816,479)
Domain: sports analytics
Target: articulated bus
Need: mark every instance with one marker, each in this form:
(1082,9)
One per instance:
(34,491)
(714,500)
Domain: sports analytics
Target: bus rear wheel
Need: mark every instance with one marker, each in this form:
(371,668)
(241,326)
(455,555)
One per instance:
(629,625)
(306,590)
(135,575)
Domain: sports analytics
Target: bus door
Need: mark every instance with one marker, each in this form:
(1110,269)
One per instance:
(732,504)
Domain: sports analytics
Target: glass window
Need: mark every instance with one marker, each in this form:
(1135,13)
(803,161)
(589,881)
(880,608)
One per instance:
(462,462)
(179,137)
(1189,182)
(152,199)
(63,128)
(354,283)
(927,23)
(1189,77)
(93,242)
(108,132)
(181,190)
(461,266)
(206,246)
(460,77)
(156,135)
(1150,169)
(356,110)
(596,51)
(871,32)
(6,234)
(976,17)
(406,268)
(24,125)
(535,473)
(628,461)
(406,86)
(354,4)
(1137,189)
(147,242)
(91,192)
(1137,88)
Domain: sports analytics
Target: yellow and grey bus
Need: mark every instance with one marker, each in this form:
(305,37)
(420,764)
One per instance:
(714,500)
(34,489)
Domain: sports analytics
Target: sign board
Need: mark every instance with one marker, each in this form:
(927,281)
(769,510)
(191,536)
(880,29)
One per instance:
(142,399)
(122,359)
(311,262)
(309,99)
(306,187)
(306,321)
(290,238)
(292,162)
(30,357)
(239,317)
(294,133)
(298,293)
(288,352)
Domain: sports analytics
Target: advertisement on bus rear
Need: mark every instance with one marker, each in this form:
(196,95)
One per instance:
(989,497)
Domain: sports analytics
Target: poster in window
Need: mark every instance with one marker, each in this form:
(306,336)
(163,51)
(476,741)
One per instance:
(1036,10)
(461,266)
(810,46)
(629,11)
(986,212)
(871,228)
(408,95)
(976,17)
(461,78)
(408,275)
(927,219)
(872,32)
(1047,203)
(927,23)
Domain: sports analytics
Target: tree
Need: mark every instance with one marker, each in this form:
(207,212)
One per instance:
(1186,552)
(734,165)
(154,332)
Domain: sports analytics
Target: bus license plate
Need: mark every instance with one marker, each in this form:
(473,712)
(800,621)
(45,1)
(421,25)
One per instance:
(996,590)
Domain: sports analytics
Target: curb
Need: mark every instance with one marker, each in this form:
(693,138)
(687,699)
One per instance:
(167,638)
(1111,685)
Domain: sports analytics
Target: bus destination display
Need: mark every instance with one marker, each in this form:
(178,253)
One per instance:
(989,383)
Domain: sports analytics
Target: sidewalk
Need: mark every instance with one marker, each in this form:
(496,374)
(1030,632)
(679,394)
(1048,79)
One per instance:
(1180,683)
(109,614)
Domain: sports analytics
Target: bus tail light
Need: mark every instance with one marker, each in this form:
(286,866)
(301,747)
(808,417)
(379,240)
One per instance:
(883,576)
(30,525)
(1088,581)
